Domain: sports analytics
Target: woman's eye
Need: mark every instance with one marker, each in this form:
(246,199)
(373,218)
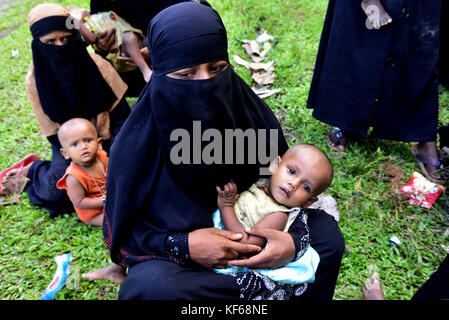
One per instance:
(187,74)
(50,41)
(218,68)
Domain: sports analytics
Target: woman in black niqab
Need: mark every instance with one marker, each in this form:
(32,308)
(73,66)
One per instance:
(68,81)
(154,207)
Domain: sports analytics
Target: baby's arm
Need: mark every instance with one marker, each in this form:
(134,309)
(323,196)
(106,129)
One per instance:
(78,197)
(88,36)
(226,201)
(79,14)
(276,220)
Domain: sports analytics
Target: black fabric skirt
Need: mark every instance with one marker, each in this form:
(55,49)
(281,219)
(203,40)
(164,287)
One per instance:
(44,174)
(165,280)
(443,62)
(386,78)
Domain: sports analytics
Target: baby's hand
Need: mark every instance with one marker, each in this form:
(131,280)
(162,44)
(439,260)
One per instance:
(228,196)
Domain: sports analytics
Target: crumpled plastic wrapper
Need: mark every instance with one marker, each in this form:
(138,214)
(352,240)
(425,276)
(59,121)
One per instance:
(422,191)
(327,203)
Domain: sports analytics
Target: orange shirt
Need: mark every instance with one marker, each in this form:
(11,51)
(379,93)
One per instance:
(88,183)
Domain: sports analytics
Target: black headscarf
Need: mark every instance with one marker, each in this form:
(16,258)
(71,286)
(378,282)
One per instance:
(149,197)
(68,81)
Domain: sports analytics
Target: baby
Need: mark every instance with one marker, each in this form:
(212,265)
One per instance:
(375,11)
(85,179)
(129,48)
(302,173)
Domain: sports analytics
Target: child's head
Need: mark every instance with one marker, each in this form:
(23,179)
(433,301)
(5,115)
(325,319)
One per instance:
(303,172)
(79,141)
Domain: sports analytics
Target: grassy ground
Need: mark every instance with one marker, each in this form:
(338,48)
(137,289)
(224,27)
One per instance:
(30,239)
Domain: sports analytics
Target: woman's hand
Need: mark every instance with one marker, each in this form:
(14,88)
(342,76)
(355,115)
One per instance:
(108,41)
(213,248)
(279,250)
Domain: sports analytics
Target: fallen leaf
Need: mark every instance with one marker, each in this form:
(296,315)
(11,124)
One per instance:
(241,61)
(264,37)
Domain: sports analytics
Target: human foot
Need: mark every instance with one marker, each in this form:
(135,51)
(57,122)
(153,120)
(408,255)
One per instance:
(375,11)
(337,140)
(372,289)
(113,272)
(426,154)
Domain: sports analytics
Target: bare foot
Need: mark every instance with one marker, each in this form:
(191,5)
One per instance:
(372,289)
(375,11)
(113,272)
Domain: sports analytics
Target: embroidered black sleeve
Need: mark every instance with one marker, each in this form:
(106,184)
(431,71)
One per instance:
(299,230)
(177,247)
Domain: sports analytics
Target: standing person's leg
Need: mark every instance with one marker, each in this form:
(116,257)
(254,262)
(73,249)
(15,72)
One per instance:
(328,241)
(43,176)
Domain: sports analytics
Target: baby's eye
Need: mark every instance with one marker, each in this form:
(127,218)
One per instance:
(74,144)
(88,139)
(291,170)
(306,187)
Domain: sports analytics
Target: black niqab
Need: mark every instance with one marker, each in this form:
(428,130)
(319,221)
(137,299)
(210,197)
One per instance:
(68,81)
(150,197)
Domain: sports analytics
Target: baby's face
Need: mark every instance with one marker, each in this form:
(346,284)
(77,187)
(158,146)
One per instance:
(81,144)
(298,179)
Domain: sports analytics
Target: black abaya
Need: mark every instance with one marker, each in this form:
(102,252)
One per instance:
(386,78)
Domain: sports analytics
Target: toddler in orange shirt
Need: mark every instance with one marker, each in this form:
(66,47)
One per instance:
(85,181)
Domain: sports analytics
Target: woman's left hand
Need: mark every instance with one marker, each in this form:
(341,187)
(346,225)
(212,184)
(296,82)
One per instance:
(279,250)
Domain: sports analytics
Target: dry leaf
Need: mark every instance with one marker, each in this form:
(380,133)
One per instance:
(263,78)
(10,200)
(241,61)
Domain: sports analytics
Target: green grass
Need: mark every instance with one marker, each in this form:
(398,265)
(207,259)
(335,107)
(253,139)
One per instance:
(30,239)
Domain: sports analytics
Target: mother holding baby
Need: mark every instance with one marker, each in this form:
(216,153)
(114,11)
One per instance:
(158,214)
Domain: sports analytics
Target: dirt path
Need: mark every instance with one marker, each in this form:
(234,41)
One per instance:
(4,4)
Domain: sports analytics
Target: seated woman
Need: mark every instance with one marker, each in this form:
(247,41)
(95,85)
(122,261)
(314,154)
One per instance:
(65,82)
(158,213)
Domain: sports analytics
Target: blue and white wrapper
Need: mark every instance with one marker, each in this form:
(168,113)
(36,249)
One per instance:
(60,277)
(296,272)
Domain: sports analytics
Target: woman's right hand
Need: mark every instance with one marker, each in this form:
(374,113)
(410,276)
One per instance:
(213,248)
(108,41)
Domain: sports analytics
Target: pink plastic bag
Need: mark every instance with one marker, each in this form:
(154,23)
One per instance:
(422,191)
